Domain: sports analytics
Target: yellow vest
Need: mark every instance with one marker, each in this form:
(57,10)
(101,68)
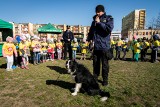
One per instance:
(74,46)
(156,43)
(59,45)
(44,46)
(136,48)
(84,48)
(24,47)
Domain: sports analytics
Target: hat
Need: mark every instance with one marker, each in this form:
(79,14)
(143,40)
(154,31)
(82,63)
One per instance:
(75,39)
(9,39)
(155,37)
(99,8)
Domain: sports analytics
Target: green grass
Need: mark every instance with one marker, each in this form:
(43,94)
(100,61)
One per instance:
(131,84)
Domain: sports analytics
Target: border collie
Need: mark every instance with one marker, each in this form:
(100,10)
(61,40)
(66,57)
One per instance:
(84,80)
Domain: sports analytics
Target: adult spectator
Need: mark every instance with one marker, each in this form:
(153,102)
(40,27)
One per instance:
(67,37)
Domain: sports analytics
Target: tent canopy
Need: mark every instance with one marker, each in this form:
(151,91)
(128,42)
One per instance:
(4,24)
(49,28)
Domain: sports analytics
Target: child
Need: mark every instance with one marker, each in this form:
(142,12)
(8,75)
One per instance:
(74,46)
(24,52)
(132,43)
(124,49)
(15,63)
(28,42)
(113,43)
(36,47)
(59,46)
(50,50)
(83,49)
(145,47)
(154,48)
(137,49)
(44,50)
(7,51)
(118,49)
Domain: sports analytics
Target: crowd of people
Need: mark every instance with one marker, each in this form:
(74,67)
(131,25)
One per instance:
(139,48)
(21,51)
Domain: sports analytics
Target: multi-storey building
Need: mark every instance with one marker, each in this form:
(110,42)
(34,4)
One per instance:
(133,21)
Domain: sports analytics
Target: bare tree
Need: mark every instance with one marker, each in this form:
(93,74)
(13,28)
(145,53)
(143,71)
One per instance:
(154,24)
(157,24)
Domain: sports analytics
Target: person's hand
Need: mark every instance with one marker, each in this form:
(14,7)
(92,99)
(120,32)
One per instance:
(68,39)
(97,19)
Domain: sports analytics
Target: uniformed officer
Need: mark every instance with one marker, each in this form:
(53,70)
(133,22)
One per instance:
(67,37)
(100,31)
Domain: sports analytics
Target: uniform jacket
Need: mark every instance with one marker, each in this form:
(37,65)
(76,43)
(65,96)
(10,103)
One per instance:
(100,32)
(68,35)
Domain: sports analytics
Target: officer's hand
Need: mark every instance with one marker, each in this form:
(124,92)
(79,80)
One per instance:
(97,19)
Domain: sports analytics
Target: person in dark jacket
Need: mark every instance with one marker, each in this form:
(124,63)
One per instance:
(67,38)
(100,32)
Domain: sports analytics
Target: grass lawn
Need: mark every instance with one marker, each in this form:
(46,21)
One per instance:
(48,85)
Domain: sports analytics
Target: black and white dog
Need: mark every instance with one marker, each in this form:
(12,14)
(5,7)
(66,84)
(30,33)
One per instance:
(84,80)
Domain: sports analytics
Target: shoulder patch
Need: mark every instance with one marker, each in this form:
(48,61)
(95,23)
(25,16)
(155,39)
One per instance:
(104,20)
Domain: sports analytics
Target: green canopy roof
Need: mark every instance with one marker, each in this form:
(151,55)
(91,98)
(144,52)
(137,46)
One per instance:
(49,28)
(4,24)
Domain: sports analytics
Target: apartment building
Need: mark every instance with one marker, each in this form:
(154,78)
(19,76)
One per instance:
(133,21)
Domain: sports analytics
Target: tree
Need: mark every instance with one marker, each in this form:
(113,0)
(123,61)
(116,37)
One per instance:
(158,22)
(154,24)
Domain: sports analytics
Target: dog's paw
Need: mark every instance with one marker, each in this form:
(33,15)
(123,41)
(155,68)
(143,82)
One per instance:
(103,99)
(69,71)
(74,94)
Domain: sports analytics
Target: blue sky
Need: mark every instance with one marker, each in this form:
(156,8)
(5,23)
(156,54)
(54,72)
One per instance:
(72,12)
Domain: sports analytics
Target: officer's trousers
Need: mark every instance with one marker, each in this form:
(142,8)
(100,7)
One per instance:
(100,56)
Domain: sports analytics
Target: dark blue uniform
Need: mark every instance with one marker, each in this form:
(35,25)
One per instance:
(67,44)
(100,33)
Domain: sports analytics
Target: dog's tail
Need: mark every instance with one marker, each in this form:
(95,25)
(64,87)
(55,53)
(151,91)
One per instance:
(104,95)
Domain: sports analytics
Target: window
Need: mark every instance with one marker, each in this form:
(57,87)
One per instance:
(143,33)
(150,33)
(146,33)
